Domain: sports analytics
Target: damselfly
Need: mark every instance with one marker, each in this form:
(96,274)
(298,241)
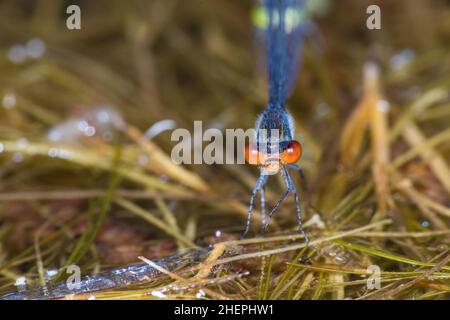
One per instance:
(284,24)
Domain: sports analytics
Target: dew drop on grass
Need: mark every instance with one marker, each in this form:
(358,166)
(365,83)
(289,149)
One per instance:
(200,293)
(35,48)
(22,143)
(18,157)
(425,223)
(83,125)
(322,110)
(17,54)
(53,152)
(50,274)
(9,101)
(20,281)
(90,131)
(63,154)
(383,106)
(106,116)
(158,294)
(402,59)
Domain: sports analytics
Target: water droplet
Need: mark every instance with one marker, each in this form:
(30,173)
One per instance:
(53,152)
(102,121)
(107,115)
(86,128)
(383,106)
(20,281)
(200,293)
(322,110)
(316,220)
(35,48)
(67,131)
(22,143)
(402,59)
(54,135)
(17,54)
(83,125)
(51,273)
(90,131)
(158,294)
(425,223)
(9,101)
(63,154)
(103,116)
(218,233)
(18,157)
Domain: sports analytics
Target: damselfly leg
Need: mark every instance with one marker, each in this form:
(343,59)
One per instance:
(290,189)
(305,187)
(262,180)
(297,204)
(263,208)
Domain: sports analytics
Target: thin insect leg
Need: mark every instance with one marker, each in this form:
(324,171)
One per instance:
(258,186)
(275,208)
(263,204)
(305,186)
(297,204)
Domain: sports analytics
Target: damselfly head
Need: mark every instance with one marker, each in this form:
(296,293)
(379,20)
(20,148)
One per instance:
(268,162)
(272,161)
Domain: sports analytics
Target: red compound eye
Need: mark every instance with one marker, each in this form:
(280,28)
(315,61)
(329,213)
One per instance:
(292,153)
(252,154)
